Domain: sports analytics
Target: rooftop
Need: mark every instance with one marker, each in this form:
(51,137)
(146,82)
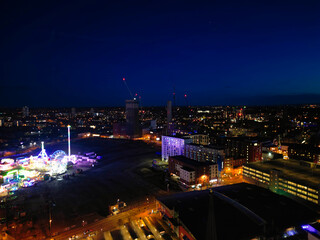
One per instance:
(207,146)
(292,170)
(240,210)
(192,162)
(178,136)
(188,169)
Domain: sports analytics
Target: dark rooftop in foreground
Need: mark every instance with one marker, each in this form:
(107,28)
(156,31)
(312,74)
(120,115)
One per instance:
(291,170)
(192,162)
(240,211)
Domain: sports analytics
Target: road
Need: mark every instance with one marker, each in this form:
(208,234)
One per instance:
(125,233)
(138,230)
(110,222)
(154,231)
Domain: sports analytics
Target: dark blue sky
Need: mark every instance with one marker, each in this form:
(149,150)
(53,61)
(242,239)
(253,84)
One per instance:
(75,53)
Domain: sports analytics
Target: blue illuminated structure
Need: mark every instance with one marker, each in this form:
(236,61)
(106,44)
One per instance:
(310,229)
(313,230)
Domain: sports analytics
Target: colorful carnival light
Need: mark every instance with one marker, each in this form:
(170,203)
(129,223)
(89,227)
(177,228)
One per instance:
(26,171)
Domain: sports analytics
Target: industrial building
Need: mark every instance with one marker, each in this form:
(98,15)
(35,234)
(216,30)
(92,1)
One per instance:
(295,179)
(239,211)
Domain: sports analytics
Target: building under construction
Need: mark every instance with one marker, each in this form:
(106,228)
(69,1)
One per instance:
(131,128)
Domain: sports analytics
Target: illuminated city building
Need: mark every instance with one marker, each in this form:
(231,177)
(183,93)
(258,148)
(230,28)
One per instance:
(201,139)
(270,155)
(288,177)
(25,111)
(193,172)
(233,163)
(204,153)
(304,152)
(239,147)
(73,112)
(173,146)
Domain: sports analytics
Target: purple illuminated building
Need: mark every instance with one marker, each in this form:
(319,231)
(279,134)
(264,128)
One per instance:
(173,146)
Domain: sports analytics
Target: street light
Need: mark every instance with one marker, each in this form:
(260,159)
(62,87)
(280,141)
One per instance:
(50,223)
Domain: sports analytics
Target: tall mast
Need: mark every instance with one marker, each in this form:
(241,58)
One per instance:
(69,146)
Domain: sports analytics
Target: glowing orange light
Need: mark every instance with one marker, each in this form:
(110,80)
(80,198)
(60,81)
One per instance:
(204,177)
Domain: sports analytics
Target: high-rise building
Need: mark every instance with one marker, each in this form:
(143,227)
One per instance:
(25,111)
(173,146)
(132,118)
(92,113)
(73,112)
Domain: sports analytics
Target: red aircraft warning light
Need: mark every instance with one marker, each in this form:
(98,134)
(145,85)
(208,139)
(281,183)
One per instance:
(123,79)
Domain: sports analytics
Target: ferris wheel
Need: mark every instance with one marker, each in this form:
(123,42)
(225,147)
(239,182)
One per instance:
(58,155)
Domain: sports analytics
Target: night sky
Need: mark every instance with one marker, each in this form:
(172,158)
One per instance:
(75,53)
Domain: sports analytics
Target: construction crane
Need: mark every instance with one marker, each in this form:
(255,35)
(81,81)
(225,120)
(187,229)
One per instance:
(186,98)
(174,96)
(135,96)
(125,83)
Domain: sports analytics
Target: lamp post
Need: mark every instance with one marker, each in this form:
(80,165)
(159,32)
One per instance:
(50,218)
(69,147)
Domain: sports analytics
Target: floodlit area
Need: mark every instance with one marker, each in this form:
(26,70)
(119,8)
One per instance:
(147,227)
(26,171)
(84,194)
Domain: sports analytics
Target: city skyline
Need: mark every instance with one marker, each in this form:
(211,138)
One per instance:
(218,53)
(160,120)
